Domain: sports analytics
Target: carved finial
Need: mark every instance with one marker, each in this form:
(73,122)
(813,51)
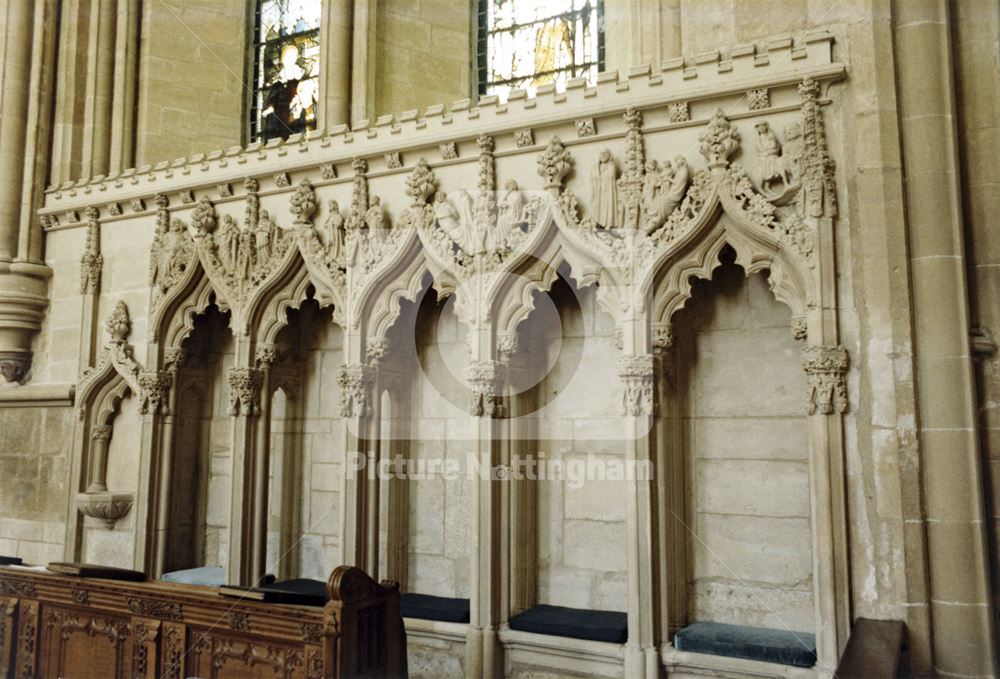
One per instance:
(91,261)
(554,164)
(251,185)
(119,325)
(421,184)
(161,201)
(719,140)
(819,192)
(359,165)
(303,202)
(204,217)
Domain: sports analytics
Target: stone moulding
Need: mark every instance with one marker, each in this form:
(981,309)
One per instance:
(809,56)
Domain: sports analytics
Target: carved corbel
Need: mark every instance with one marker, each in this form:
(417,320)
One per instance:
(355,390)
(375,350)
(826,370)
(268,354)
(91,261)
(154,391)
(244,391)
(663,337)
(636,374)
(483,377)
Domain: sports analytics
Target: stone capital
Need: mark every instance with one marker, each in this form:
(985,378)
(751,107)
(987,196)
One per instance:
(636,374)
(826,369)
(244,391)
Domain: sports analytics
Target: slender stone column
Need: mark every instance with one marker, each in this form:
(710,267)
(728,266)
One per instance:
(363,51)
(961,605)
(335,62)
(355,392)
(26,83)
(100,437)
(244,401)
(976,27)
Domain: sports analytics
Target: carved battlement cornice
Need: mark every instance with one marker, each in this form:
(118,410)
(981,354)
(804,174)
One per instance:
(393,143)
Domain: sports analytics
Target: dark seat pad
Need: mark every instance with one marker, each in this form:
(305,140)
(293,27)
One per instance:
(427,607)
(751,643)
(301,591)
(575,623)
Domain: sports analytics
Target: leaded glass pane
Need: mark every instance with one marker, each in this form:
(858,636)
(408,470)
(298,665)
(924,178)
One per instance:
(286,68)
(527,43)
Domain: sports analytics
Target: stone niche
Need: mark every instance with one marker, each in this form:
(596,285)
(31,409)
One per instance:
(745,452)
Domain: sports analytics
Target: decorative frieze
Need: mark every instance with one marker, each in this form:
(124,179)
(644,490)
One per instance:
(636,374)
(155,608)
(523,138)
(244,391)
(826,370)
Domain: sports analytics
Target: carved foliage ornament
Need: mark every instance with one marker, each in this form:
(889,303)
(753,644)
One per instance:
(826,369)
(355,387)
(636,373)
(244,391)
(482,377)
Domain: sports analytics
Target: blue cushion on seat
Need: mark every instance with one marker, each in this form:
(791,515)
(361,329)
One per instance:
(427,607)
(575,623)
(211,576)
(751,643)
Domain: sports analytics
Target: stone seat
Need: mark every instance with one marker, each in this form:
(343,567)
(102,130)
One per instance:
(750,643)
(575,623)
(428,607)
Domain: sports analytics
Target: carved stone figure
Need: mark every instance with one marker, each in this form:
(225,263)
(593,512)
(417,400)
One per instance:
(604,191)
(448,218)
(651,182)
(375,219)
(228,242)
(262,239)
(792,155)
(334,226)
(510,211)
(772,167)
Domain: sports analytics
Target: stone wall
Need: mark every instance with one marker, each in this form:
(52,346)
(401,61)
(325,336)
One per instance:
(193,78)
(34,489)
(748,526)
(569,344)
(424,53)
(441,507)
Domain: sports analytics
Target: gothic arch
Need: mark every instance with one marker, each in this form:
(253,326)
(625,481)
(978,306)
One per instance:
(697,256)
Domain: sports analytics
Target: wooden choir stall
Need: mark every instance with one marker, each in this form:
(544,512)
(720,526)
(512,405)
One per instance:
(54,624)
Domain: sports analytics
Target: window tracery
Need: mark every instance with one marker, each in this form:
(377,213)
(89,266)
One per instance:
(524,44)
(286,68)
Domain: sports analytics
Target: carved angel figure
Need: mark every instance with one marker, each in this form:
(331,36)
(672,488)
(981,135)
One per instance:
(165,258)
(651,182)
(604,191)
(334,226)
(679,179)
(772,167)
(262,240)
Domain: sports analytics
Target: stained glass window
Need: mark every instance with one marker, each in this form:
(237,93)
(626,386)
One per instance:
(527,43)
(286,68)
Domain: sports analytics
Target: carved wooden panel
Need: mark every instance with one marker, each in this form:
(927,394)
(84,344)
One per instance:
(83,644)
(222,656)
(8,620)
